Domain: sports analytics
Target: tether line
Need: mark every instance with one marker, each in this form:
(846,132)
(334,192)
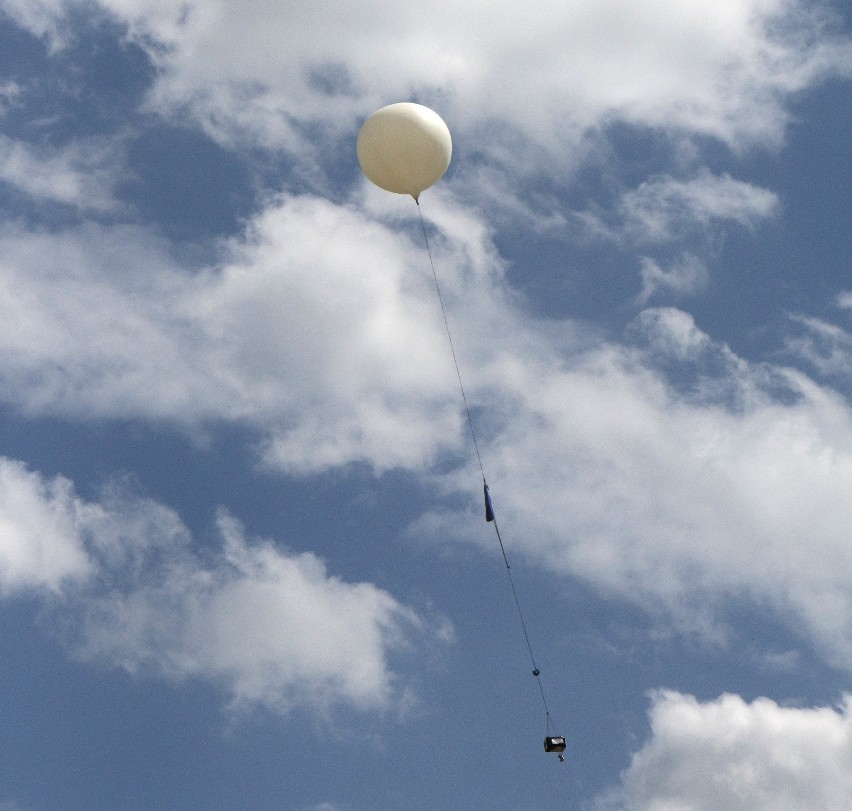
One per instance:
(450,339)
(535,671)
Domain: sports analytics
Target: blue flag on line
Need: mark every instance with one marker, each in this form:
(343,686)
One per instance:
(489,508)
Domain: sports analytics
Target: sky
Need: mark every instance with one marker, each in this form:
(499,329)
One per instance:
(243,556)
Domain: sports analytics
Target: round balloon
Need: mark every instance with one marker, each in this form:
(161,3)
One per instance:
(404,148)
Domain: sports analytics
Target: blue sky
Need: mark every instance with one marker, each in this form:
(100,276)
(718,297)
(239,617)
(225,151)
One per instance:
(243,562)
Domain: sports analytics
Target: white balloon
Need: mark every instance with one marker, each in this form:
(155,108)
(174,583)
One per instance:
(404,148)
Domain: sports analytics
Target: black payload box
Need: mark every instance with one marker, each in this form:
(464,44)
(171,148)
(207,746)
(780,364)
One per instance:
(554,744)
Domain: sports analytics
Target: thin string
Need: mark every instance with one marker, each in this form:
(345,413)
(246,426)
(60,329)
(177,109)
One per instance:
(535,671)
(450,339)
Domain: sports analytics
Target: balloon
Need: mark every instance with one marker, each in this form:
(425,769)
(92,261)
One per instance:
(404,148)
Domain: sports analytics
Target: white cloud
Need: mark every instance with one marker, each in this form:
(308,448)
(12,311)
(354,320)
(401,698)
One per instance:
(320,329)
(690,212)
(10,92)
(671,473)
(81,174)
(825,347)
(527,98)
(272,627)
(717,69)
(727,755)
(340,311)
(675,473)
(686,277)
(674,490)
(43,18)
(41,543)
(263,69)
(664,209)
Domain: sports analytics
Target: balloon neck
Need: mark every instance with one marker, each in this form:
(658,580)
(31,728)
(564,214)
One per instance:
(416,198)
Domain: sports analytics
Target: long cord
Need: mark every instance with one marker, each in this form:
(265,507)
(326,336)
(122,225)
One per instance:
(489,511)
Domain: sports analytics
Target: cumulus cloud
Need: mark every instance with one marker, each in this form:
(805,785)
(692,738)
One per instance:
(338,307)
(726,755)
(665,209)
(676,474)
(272,627)
(825,347)
(716,70)
(41,532)
(81,174)
(43,18)
(689,213)
(10,92)
(685,277)
(312,329)
(677,471)
(721,69)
